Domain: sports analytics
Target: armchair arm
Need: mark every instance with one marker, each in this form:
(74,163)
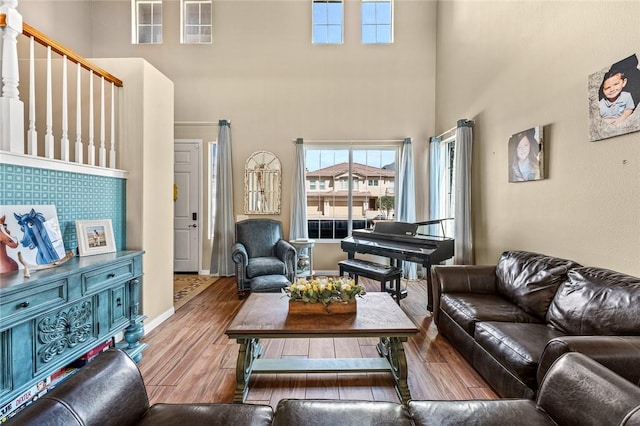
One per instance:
(287,253)
(461,279)
(621,354)
(241,259)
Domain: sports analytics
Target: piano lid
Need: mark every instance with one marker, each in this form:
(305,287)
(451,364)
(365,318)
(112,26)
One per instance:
(396,228)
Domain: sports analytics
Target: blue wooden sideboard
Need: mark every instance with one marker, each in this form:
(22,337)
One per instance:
(49,320)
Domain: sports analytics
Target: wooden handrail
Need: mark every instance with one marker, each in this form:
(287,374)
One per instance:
(3,20)
(29,31)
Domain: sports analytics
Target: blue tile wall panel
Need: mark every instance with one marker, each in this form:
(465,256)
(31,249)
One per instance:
(77,196)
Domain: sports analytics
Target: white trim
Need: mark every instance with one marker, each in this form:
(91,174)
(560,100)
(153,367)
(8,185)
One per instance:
(148,327)
(59,165)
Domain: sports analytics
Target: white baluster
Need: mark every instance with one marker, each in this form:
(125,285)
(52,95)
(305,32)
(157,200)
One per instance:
(103,150)
(79,114)
(11,107)
(91,155)
(112,151)
(64,140)
(32,133)
(48,137)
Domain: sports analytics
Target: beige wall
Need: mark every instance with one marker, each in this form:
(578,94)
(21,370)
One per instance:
(146,150)
(263,74)
(514,65)
(508,65)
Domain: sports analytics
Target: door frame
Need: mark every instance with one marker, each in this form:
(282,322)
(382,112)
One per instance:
(199,142)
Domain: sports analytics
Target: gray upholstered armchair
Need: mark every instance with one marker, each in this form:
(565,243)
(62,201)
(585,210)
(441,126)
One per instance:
(264,261)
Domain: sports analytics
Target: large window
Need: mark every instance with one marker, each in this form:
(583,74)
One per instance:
(147,20)
(195,16)
(377,21)
(347,201)
(327,18)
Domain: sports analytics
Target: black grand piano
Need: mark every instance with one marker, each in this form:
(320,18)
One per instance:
(401,241)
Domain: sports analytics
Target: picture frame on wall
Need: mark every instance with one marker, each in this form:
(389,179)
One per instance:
(614,96)
(526,155)
(95,237)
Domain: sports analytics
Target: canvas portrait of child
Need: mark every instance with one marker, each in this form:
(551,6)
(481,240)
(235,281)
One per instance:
(614,95)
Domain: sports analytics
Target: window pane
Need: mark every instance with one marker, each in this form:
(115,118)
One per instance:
(144,14)
(335,34)
(335,13)
(319,13)
(144,35)
(368,33)
(157,34)
(384,34)
(368,13)
(205,13)
(319,34)
(157,13)
(383,12)
(192,13)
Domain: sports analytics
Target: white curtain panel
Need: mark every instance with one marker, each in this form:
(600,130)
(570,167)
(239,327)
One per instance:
(298,227)
(436,173)
(223,226)
(406,203)
(463,232)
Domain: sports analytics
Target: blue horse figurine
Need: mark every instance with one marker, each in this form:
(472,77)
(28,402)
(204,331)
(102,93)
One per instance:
(36,236)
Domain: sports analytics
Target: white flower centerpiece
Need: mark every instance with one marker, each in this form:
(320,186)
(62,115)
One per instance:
(323,295)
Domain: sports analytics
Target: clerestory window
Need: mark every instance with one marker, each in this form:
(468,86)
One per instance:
(377,21)
(327,21)
(147,22)
(196,17)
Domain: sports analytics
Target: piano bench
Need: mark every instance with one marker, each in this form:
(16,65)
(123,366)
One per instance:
(389,276)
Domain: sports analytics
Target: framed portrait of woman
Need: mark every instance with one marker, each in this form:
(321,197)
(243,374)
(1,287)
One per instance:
(526,155)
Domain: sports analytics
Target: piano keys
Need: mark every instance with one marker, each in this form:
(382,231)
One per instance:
(400,241)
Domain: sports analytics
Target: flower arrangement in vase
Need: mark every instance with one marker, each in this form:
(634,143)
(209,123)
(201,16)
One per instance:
(322,294)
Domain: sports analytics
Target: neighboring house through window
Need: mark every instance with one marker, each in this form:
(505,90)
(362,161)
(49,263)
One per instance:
(377,21)
(343,201)
(327,19)
(195,18)
(147,22)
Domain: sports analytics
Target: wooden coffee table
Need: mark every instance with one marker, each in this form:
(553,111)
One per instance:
(265,315)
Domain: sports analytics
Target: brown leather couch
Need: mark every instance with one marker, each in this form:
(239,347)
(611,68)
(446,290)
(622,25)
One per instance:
(109,391)
(513,320)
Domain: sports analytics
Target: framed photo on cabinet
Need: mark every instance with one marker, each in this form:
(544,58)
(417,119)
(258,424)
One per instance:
(95,237)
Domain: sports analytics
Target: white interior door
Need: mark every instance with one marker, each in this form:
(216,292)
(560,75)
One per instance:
(186,210)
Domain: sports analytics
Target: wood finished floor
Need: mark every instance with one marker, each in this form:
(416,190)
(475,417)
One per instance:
(190,359)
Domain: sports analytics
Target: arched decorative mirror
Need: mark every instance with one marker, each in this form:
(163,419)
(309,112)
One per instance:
(262,182)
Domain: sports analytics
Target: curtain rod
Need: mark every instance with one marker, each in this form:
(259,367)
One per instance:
(447,131)
(349,141)
(195,123)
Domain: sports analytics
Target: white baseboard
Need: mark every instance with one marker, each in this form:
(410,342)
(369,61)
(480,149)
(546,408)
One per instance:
(158,320)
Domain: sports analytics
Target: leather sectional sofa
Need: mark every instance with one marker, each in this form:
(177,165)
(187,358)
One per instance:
(512,321)
(110,391)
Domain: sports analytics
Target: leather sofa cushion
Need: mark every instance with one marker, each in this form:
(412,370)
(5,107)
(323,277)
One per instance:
(478,412)
(340,412)
(265,266)
(468,308)
(516,346)
(530,280)
(208,414)
(597,301)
